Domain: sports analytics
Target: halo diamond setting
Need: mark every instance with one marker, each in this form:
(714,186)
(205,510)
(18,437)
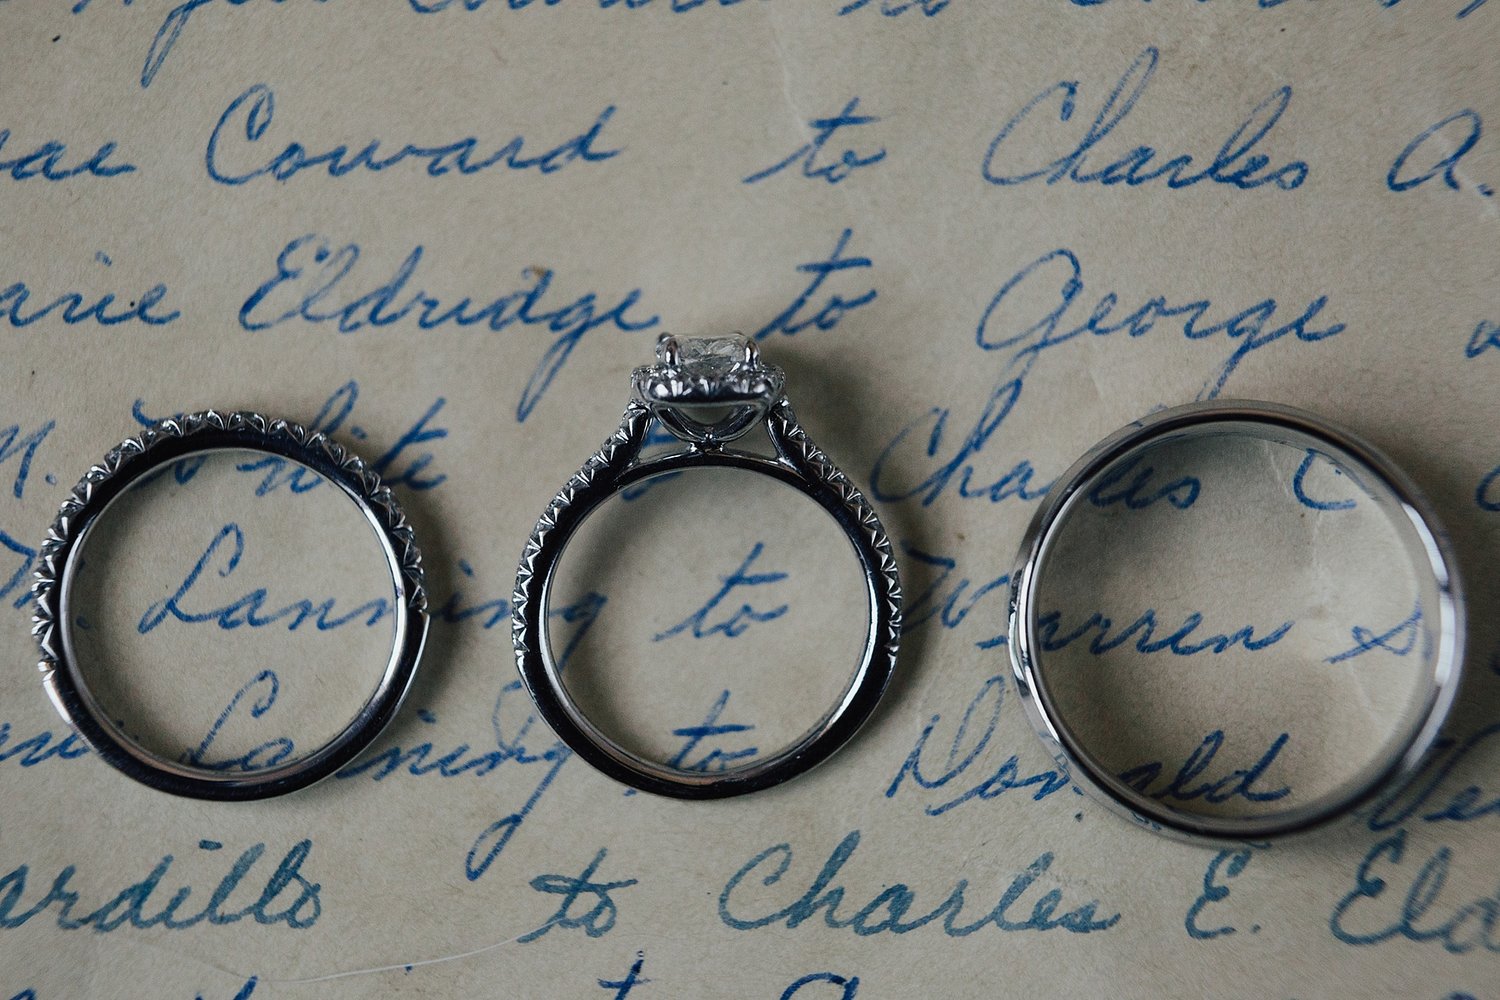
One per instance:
(708,391)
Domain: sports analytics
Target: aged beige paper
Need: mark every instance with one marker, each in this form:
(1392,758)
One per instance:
(977,237)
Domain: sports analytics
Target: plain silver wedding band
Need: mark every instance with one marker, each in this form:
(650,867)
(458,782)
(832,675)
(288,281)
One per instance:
(1401,757)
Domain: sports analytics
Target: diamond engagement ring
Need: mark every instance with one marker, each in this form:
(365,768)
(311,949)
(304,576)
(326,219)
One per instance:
(707,393)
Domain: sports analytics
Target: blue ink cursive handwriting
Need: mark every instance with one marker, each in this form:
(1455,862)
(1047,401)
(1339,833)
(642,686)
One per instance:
(310,271)
(249,115)
(886,912)
(824,130)
(1236,164)
(697,624)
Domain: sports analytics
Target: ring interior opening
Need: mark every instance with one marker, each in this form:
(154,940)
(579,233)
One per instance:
(707,620)
(230,612)
(1239,622)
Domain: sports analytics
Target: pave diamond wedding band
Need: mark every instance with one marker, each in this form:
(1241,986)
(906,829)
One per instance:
(168,441)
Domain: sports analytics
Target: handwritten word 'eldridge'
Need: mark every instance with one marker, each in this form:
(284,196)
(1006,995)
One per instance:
(310,285)
(245,122)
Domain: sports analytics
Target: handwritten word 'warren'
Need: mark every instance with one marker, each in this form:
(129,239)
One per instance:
(309,284)
(247,118)
(1143,630)
(1236,164)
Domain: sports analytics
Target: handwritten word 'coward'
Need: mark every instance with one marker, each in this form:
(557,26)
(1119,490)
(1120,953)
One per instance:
(309,285)
(887,911)
(1236,164)
(246,120)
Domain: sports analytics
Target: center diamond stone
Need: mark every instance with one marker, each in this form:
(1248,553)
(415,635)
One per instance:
(710,356)
(708,390)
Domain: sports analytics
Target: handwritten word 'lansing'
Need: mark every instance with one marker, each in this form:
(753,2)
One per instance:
(249,116)
(1235,164)
(286,897)
(247,610)
(887,911)
(310,273)
(46,162)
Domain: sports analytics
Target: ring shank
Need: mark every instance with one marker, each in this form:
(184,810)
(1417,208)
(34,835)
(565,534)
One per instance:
(1426,548)
(616,472)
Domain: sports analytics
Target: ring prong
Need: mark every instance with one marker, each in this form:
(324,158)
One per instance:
(752,350)
(666,350)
